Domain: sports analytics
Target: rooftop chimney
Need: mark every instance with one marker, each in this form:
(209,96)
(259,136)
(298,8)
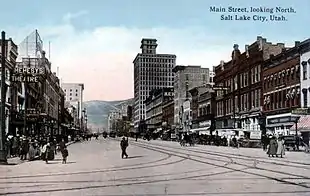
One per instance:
(43,54)
(247,50)
(222,64)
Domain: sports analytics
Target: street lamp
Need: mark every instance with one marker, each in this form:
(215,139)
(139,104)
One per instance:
(86,123)
(82,121)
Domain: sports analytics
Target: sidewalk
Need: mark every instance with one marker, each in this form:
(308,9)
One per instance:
(17,161)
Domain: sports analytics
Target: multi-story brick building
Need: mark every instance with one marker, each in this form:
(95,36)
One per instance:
(281,90)
(168,113)
(239,107)
(11,88)
(203,107)
(154,108)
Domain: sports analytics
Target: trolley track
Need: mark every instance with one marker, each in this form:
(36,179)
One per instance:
(93,171)
(246,157)
(197,158)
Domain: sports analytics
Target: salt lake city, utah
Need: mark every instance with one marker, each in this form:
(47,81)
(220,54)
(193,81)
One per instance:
(155,98)
(274,13)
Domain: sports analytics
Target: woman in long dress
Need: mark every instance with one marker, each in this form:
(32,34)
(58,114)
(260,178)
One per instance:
(31,152)
(281,147)
(273,146)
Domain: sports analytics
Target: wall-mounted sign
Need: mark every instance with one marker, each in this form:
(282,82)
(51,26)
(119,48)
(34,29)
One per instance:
(256,135)
(282,120)
(186,106)
(168,94)
(27,74)
(206,123)
(301,111)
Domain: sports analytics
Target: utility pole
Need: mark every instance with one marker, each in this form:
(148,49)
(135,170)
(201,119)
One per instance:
(25,133)
(3,154)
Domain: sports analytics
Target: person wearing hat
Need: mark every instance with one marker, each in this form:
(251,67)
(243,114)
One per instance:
(124,145)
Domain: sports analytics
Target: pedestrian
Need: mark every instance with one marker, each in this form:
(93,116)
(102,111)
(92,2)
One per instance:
(273,146)
(137,136)
(15,146)
(65,154)
(32,152)
(62,145)
(47,152)
(24,149)
(281,147)
(124,145)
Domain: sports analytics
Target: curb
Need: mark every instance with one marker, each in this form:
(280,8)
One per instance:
(17,161)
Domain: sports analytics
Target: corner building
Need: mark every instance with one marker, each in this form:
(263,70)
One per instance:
(239,108)
(281,90)
(151,71)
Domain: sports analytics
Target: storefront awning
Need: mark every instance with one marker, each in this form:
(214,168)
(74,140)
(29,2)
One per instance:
(280,124)
(201,129)
(303,124)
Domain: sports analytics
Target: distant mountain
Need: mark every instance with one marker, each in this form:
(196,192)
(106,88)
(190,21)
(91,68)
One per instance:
(98,111)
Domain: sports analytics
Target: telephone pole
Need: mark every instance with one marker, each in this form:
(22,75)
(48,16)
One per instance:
(3,154)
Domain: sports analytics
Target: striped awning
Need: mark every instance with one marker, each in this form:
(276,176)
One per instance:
(303,124)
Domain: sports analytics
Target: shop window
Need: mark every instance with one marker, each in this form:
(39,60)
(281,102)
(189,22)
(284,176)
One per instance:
(305,94)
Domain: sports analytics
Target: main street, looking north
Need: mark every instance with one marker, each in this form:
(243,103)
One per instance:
(157,168)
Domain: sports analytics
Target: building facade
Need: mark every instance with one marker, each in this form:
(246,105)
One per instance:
(114,115)
(151,71)
(305,72)
(168,113)
(74,95)
(239,107)
(154,108)
(11,89)
(203,107)
(185,78)
(281,90)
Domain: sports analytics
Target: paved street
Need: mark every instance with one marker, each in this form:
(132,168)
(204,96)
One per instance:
(159,168)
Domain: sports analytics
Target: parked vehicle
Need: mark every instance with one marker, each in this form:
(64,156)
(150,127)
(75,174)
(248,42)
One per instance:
(105,134)
(290,142)
(112,134)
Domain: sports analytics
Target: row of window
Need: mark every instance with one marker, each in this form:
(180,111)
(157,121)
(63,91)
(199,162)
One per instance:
(157,60)
(248,101)
(286,98)
(76,90)
(281,78)
(244,78)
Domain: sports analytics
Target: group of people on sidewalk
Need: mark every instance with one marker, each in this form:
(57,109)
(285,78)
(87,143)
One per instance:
(276,147)
(31,148)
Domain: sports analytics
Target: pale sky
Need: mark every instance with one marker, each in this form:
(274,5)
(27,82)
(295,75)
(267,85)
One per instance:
(94,42)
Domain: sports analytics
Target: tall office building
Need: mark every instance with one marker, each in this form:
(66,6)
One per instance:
(186,78)
(74,95)
(151,71)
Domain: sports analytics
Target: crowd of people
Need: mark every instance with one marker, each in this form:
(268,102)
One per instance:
(32,148)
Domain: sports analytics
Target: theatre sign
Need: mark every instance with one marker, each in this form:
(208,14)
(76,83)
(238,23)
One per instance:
(27,72)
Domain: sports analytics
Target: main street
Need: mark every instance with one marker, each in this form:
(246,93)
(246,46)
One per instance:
(157,168)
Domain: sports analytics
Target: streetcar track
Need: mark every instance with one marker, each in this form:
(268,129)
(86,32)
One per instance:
(253,158)
(299,176)
(238,156)
(54,182)
(158,149)
(112,185)
(95,171)
(229,157)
